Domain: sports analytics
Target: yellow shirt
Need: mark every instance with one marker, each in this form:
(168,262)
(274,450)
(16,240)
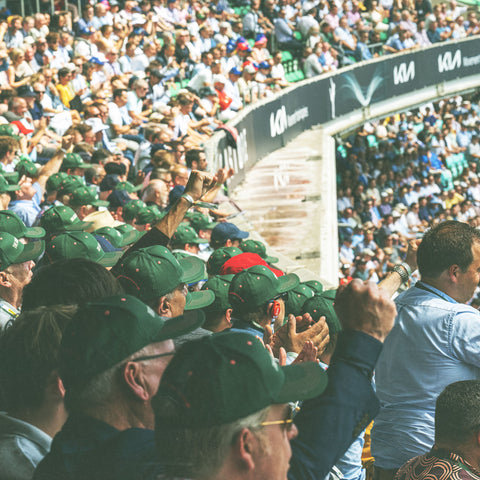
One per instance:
(66,94)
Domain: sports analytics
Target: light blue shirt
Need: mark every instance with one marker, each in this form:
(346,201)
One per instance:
(435,342)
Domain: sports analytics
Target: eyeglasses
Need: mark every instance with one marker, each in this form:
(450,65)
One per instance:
(287,422)
(39,91)
(151,357)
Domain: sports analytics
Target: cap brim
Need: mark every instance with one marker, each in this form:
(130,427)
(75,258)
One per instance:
(302,382)
(11,188)
(193,269)
(181,325)
(78,226)
(241,234)
(200,299)
(287,282)
(35,232)
(100,203)
(109,259)
(130,237)
(271,259)
(31,251)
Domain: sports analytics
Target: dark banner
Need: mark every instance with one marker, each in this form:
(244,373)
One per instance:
(270,126)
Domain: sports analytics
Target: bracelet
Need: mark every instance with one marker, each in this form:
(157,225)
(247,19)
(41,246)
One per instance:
(188,198)
(407,267)
(402,271)
(63,150)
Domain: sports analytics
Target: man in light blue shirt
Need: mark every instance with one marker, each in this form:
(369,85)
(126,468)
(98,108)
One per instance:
(435,341)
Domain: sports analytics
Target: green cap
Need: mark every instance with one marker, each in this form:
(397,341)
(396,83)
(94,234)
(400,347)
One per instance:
(79,245)
(125,229)
(74,160)
(315,285)
(257,285)
(199,221)
(61,218)
(26,167)
(185,234)
(254,246)
(227,376)
(219,257)
(330,294)
(152,272)
(295,299)
(85,196)
(103,333)
(7,130)
(131,209)
(322,306)
(128,187)
(12,250)
(54,181)
(69,184)
(115,237)
(10,222)
(149,214)
(219,285)
(7,187)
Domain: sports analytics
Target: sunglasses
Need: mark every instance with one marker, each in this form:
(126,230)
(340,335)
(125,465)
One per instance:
(288,421)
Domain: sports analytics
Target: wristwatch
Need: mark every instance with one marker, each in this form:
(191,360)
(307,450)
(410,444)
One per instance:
(404,270)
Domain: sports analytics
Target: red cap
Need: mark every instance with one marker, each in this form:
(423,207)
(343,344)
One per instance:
(246,260)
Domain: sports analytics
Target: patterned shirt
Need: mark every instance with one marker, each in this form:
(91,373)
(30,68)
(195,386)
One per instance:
(438,464)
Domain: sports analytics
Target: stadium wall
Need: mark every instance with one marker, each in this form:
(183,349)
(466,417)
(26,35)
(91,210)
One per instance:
(340,100)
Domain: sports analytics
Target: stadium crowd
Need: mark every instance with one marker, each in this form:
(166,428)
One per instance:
(114,253)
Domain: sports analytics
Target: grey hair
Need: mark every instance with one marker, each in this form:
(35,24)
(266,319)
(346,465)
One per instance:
(197,452)
(100,390)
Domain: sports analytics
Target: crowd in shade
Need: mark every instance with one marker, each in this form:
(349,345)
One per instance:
(145,335)
(402,174)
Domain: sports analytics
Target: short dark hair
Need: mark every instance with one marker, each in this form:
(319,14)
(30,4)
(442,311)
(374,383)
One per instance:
(192,156)
(457,412)
(448,243)
(29,354)
(118,92)
(70,282)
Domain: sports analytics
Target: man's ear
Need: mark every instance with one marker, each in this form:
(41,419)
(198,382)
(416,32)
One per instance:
(163,307)
(244,450)
(55,389)
(228,316)
(4,281)
(453,272)
(135,382)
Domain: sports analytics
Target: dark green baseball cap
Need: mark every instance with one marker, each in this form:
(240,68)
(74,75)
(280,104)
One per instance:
(257,285)
(219,285)
(219,257)
(13,251)
(54,181)
(149,214)
(227,376)
(26,167)
(79,245)
(74,160)
(199,221)
(7,130)
(61,218)
(125,229)
(128,187)
(186,234)
(131,209)
(295,299)
(115,237)
(315,285)
(69,184)
(85,196)
(152,272)
(10,222)
(254,246)
(103,333)
(7,187)
(323,306)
